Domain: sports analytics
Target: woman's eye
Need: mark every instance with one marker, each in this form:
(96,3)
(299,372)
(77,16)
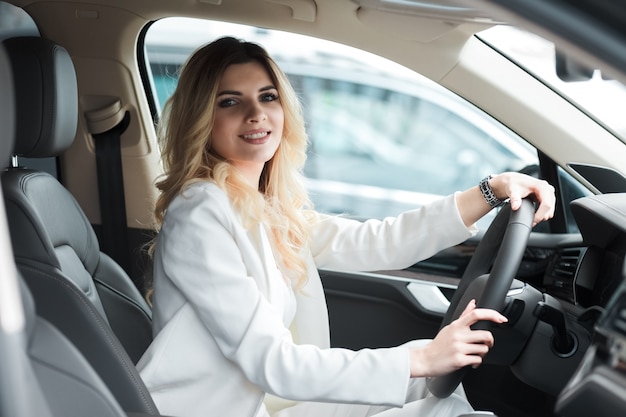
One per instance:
(269,97)
(227,102)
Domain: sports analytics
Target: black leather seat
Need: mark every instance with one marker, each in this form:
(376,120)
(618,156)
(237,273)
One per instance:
(43,374)
(67,382)
(76,287)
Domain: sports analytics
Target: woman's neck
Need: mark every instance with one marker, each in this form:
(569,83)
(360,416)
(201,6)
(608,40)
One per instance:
(250,172)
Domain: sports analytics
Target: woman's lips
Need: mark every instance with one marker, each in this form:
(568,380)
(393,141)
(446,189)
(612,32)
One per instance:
(256,137)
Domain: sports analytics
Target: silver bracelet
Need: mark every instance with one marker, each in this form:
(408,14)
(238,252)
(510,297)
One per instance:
(488,194)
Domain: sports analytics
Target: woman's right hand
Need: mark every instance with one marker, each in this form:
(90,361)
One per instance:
(456,345)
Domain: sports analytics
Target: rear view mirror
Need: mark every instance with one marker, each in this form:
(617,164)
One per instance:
(569,70)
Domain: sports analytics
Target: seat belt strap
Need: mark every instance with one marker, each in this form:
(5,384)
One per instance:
(114,228)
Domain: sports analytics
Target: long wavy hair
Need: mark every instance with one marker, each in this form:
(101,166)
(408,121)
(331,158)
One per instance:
(185,134)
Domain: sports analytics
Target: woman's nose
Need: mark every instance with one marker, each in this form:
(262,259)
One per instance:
(256,113)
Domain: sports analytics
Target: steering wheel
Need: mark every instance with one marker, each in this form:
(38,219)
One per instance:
(509,232)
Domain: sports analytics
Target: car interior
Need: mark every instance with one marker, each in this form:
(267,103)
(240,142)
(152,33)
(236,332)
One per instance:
(53,241)
(81,156)
(43,372)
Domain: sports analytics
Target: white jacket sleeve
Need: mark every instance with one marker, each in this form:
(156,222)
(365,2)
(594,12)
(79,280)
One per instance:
(392,243)
(203,251)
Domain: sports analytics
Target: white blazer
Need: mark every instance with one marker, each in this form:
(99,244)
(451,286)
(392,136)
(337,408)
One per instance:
(228,329)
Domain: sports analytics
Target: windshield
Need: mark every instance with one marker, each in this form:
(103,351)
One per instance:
(601,98)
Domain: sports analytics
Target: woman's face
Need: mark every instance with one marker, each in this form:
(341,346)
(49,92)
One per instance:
(249,118)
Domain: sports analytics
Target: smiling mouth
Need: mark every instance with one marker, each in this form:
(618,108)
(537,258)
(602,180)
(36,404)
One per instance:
(256,136)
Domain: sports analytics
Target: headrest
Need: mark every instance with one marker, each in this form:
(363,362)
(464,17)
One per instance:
(7,110)
(46,96)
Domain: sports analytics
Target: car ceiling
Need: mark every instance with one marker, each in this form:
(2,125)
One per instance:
(390,35)
(370,16)
(389,28)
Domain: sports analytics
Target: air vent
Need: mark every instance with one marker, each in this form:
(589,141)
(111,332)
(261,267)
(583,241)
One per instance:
(566,263)
(560,276)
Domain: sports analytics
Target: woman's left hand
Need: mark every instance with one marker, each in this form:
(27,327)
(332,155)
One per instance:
(516,186)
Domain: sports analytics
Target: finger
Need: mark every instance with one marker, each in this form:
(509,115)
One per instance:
(539,217)
(480,314)
(519,188)
(515,201)
(479,342)
(545,195)
(476,362)
(547,204)
(469,307)
(460,360)
(545,211)
(464,360)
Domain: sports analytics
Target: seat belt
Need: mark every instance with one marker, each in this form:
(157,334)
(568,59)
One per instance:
(107,126)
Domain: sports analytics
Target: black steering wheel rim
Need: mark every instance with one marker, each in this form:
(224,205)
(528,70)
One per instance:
(499,253)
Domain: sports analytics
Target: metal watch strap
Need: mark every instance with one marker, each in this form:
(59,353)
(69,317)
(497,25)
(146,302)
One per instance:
(488,194)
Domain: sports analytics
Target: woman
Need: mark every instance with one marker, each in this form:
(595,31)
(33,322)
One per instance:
(240,319)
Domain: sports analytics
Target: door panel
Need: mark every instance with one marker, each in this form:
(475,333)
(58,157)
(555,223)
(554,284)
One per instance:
(375,310)
(388,308)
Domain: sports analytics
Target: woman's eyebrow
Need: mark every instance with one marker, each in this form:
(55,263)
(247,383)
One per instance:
(229,92)
(238,93)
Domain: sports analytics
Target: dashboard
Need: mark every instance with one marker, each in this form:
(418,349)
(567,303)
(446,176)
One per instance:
(600,280)
(577,277)
(585,271)
(602,223)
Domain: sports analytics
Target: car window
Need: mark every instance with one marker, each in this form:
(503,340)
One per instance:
(590,89)
(383,139)
(14,21)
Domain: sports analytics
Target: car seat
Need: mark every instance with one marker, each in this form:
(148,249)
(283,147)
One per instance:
(76,287)
(67,383)
(43,374)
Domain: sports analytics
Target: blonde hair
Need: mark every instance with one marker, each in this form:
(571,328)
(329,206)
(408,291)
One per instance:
(281,201)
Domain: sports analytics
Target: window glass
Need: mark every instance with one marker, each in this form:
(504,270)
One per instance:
(14,21)
(383,139)
(570,190)
(589,89)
